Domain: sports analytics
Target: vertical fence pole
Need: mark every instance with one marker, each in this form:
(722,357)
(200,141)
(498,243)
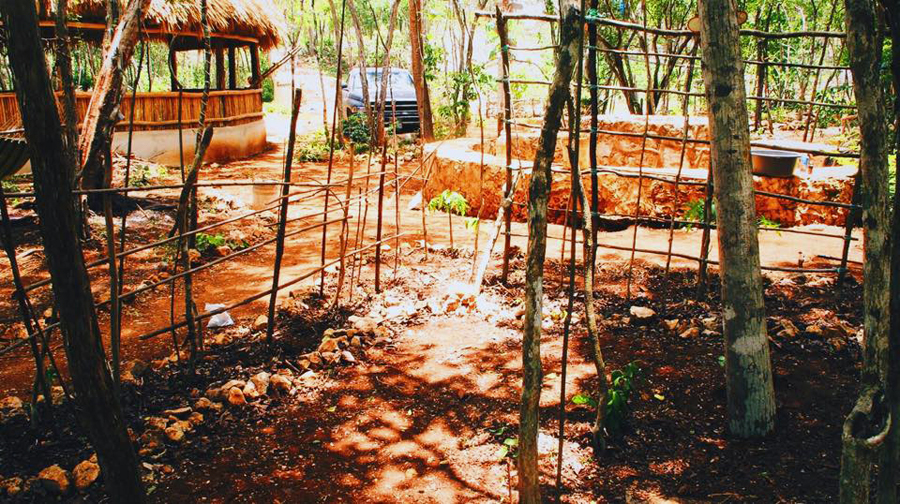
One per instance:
(849,221)
(592,148)
(378,226)
(507,122)
(334,118)
(283,211)
(704,241)
(25,309)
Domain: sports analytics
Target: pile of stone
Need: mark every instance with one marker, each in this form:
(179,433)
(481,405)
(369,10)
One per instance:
(239,392)
(172,427)
(344,345)
(53,481)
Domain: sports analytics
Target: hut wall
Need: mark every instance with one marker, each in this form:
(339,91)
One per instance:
(237,115)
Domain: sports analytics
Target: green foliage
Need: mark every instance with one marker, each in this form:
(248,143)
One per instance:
(621,386)
(143,175)
(356,129)
(763,222)
(509,445)
(206,243)
(312,147)
(472,224)
(695,211)
(459,90)
(449,201)
(268,90)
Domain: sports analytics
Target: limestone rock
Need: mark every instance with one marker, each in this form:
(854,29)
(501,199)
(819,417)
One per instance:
(250,391)
(348,357)
(692,332)
(641,312)
(55,480)
(12,486)
(175,432)
(178,412)
(281,383)
(261,382)
(328,345)
(196,419)
(236,397)
(85,474)
(260,323)
(11,406)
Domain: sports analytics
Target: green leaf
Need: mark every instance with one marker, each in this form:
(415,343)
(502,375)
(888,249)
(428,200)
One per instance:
(511,442)
(332,409)
(721,360)
(502,452)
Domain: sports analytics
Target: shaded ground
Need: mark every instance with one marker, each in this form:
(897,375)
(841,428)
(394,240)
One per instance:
(422,417)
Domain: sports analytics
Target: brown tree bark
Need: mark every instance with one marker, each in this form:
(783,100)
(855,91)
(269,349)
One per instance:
(99,410)
(386,70)
(864,47)
(363,76)
(748,369)
(103,110)
(539,191)
(416,49)
(890,457)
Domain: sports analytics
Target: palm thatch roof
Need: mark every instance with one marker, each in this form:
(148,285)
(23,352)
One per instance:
(253,19)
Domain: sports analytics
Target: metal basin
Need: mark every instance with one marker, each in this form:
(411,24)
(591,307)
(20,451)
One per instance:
(774,163)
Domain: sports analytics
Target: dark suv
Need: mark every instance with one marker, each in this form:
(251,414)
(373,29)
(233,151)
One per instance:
(401,95)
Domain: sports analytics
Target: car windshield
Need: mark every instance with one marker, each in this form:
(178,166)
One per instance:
(395,79)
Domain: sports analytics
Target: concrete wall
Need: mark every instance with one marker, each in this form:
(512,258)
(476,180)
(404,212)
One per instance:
(161,146)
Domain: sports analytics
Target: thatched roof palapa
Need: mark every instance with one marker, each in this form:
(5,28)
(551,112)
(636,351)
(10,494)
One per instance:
(250,19)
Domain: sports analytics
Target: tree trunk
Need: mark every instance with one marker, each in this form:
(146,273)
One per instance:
(890,457)
(363,76)
(103,110)
(385,71)
(864,46)
(751,396)
(99,410)
(416,49)
(539,191)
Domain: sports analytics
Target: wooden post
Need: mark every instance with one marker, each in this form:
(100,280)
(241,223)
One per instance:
(507,126)
(232,68)
(539,192)
(380,218)
(25,309)
(173,68)
(592,148)
(220,67)
(705,239)
(334,127)
(282,215)
(254,67)
(850,218)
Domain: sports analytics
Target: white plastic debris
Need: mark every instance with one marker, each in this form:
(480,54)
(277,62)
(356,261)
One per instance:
(220,319)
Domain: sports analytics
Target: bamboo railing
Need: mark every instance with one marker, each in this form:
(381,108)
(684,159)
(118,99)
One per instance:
(159,110)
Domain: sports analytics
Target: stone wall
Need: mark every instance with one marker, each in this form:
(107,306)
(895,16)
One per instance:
(456,165)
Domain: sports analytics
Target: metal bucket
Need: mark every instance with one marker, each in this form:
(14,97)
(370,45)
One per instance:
(774,163)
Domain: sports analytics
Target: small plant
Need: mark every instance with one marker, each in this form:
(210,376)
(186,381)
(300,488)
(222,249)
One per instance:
(146,174)
(356,129)
(450,202)
(208,242)
(312,147)
(695,211)
(268,90)
(509,446)
(621,386)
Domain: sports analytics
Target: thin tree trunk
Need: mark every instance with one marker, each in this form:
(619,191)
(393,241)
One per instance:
(890,455)
(864,45)
(423,100)
(363,76)
(539,192)
(748,369)
(385,71)
(100,412)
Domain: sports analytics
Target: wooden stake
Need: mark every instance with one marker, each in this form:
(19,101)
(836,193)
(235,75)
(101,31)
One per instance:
(507,125)
(283,212)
